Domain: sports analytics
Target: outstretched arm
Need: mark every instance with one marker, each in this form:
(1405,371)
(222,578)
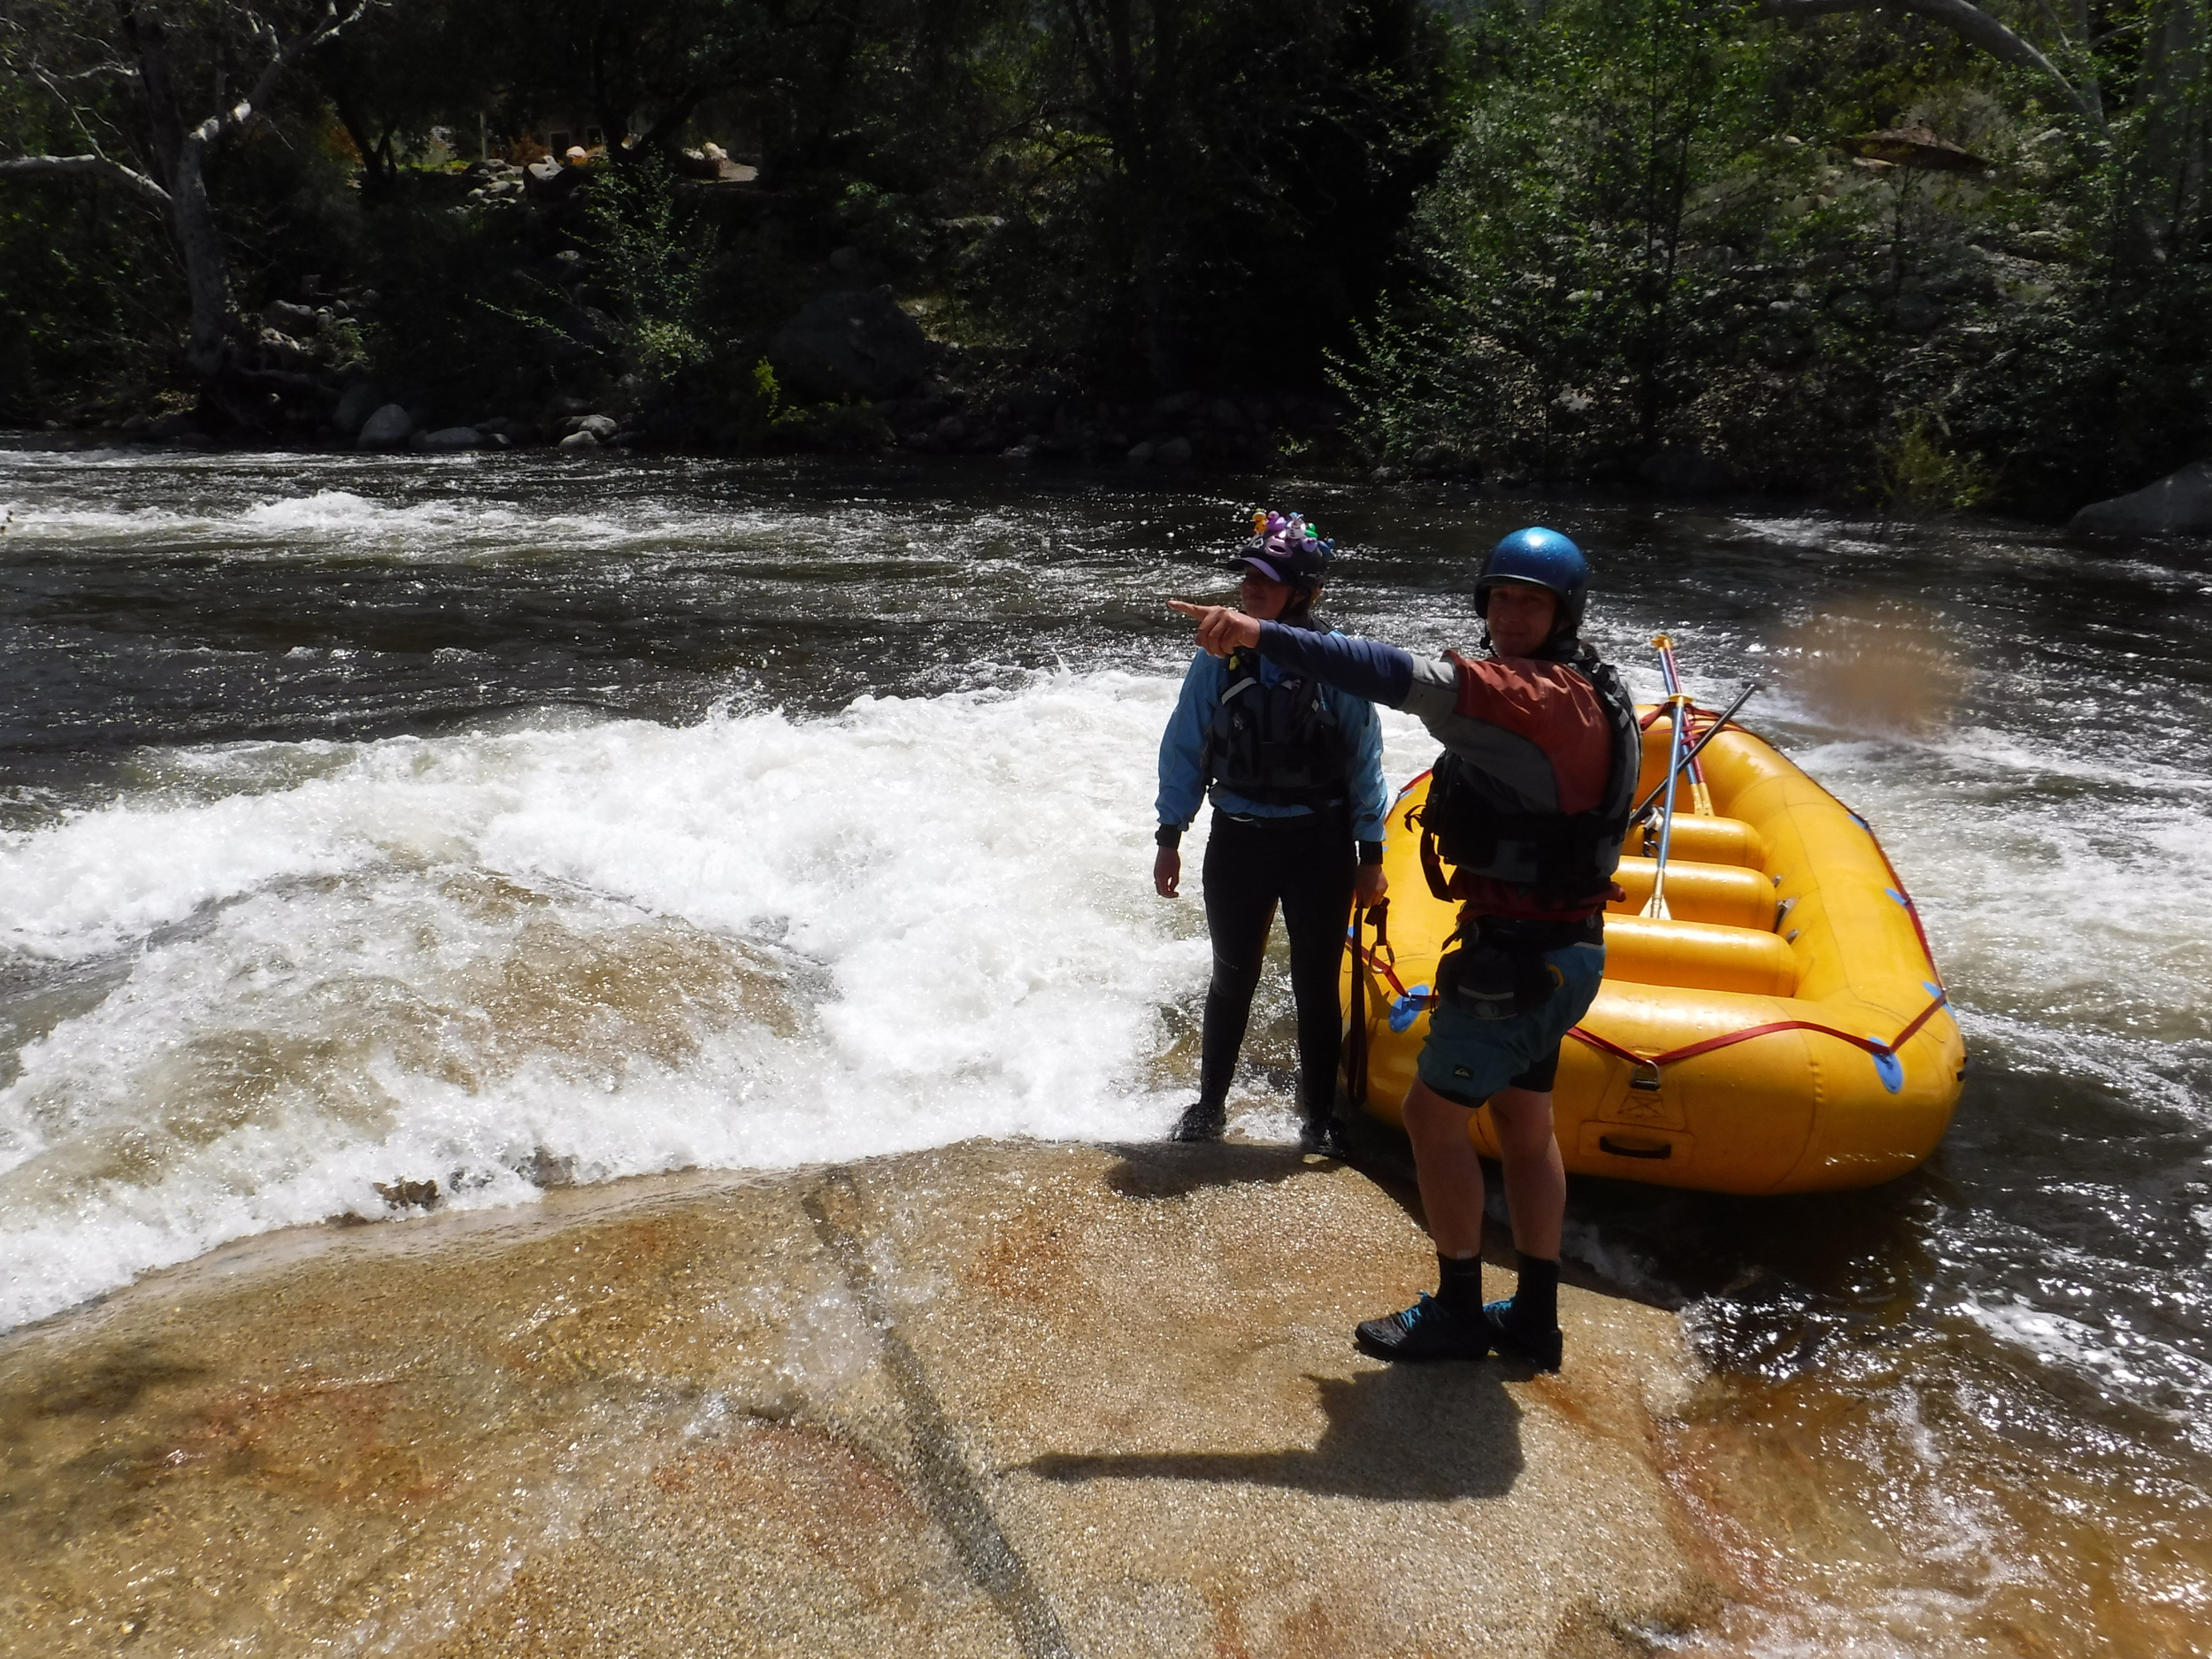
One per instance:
(1366,668)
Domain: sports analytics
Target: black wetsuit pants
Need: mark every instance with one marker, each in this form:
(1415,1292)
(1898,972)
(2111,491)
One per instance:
(1306,865)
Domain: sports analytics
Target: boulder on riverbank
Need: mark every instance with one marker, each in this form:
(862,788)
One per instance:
(2179,503)
(387,429)
(851,344)
(356,404)
(995,1399)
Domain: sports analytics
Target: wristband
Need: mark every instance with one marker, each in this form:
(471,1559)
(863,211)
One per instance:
(1370,853)
(1170,836)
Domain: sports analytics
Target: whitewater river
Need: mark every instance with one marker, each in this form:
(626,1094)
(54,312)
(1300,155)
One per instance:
(504,823)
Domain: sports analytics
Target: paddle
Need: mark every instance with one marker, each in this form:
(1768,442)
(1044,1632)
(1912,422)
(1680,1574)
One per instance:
(1643,810)
(1656,907)
(1700,798)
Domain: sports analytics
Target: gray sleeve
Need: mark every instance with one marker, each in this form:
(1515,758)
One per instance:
(1434,693)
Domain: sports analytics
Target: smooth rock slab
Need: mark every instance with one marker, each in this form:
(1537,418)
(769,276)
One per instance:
(996,1399)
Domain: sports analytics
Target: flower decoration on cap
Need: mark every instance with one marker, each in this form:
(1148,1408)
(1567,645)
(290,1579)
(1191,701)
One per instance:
(1288,535)
(1284,548)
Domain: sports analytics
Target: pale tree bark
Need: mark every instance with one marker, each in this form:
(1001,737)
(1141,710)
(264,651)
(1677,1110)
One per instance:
(178,185)
(88,166)
(1971,24)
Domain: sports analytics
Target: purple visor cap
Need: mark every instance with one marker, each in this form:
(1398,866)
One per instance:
(1253,561)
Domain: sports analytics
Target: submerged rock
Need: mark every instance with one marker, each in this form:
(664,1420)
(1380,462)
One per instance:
(2179,503)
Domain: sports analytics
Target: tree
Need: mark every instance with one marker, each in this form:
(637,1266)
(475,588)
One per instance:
(1232,149)
(126,77)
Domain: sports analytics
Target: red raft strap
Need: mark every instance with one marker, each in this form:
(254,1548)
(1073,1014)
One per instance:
(1897,885)
(1389,969)
(1729,1038)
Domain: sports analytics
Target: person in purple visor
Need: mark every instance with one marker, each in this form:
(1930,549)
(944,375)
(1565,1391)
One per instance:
(1293,770)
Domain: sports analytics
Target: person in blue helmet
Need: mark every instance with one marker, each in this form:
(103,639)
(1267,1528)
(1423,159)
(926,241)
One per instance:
(1527,810)
(1294,769)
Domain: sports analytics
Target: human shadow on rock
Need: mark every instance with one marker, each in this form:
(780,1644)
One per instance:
(1404,1434)
(1167,1170)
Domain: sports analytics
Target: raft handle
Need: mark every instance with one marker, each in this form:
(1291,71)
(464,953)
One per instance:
(1623,1149)
(1646,1077)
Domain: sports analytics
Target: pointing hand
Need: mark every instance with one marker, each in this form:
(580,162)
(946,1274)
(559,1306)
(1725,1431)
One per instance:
(1220,629)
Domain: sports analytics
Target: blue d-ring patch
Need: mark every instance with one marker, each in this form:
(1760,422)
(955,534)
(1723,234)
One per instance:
(1891,1070)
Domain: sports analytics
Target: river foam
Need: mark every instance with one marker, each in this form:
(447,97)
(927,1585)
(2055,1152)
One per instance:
(577,950)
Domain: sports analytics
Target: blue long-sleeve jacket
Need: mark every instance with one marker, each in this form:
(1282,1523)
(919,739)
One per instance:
(1364,668)
(1183,747)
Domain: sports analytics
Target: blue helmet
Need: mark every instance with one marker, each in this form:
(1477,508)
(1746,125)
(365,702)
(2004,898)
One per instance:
(1541,559)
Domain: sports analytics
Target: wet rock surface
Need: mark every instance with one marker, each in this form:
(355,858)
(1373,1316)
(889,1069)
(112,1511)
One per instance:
(2180,504)
(998,1399)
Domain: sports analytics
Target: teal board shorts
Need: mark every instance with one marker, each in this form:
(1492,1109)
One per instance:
(1467,1060)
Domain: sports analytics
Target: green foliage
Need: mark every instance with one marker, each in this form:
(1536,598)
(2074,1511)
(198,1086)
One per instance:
(650,258)
(1576,239)
(1584,239)
(93,306)
(1653,234)
(1924,477)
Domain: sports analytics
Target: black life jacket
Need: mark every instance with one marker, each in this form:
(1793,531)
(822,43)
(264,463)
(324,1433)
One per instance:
(1564,858)
(1279,745)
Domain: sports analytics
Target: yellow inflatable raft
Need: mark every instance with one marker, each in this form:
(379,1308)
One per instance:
(1785,1031)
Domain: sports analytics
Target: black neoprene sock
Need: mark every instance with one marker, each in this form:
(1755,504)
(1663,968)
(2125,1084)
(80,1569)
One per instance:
(1459,1283)
(1536,1299)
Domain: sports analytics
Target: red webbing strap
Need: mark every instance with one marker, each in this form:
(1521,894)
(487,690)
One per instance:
(1386,969)
(1728,1039)
(1897,885)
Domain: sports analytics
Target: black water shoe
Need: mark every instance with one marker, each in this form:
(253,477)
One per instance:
(1323,1137)
(1539,1349)
(1200,1122)
(1427,1330)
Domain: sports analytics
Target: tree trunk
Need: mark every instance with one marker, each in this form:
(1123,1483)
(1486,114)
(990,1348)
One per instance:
(182,155)
(180,161)
(206,271)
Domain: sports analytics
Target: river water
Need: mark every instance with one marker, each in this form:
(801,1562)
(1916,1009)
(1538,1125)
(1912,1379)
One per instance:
(504,822)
